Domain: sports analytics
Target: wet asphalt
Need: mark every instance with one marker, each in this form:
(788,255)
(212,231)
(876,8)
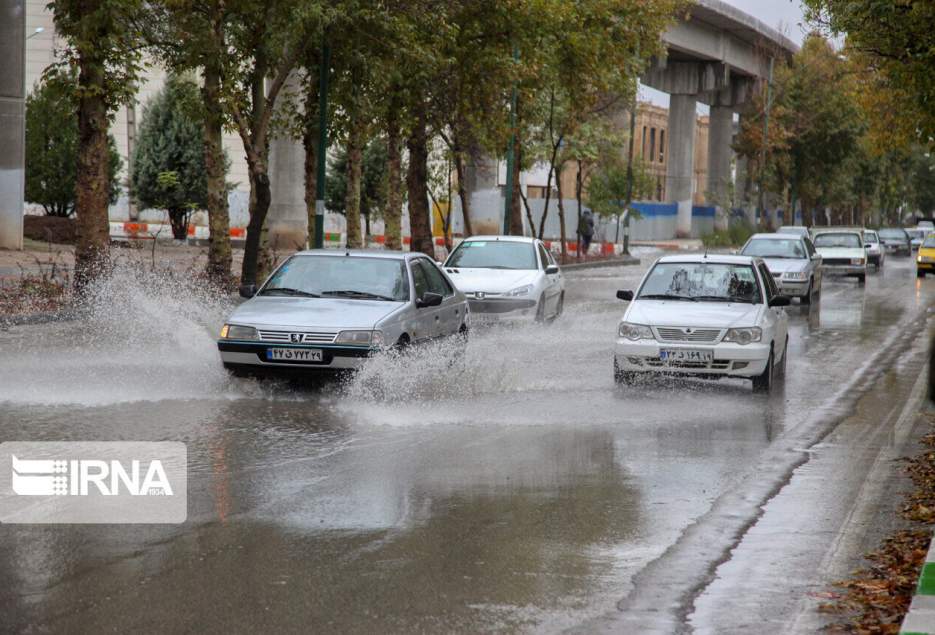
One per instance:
(518,490)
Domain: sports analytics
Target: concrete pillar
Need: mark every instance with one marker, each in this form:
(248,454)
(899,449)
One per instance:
(12,122)
(481,180)
(720,139)
(681,154)
(287,221)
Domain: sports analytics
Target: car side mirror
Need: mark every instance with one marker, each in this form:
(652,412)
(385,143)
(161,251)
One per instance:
(780,300)
(626,296)
(428,299)
(439,263)
(551,269)
(867,246)
(247,290)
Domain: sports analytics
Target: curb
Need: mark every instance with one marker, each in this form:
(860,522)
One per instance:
(615,262)
(920,620)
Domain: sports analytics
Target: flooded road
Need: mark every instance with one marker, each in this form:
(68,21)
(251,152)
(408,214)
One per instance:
(519,489)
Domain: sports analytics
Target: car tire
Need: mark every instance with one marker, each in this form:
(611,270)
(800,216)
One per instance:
(862,279)
(237,371)
(763,383)
(920,274)
(540,310)
(785,358)
(622,377)
(561,306)
(807,298)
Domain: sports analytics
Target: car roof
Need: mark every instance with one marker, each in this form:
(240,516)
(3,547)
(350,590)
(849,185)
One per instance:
(726,259)
(367,253)
(512,239)
(776,235)
(839,230)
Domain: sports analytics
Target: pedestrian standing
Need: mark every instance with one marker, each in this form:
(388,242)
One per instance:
(585,232)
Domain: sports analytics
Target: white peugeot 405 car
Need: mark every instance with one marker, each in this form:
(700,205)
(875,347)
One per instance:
(704,316)
(507,277)
(329,310)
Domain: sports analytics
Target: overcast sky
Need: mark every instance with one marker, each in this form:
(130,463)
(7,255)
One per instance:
(783,15)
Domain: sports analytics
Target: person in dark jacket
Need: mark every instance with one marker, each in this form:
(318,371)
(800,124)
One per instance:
(585,232)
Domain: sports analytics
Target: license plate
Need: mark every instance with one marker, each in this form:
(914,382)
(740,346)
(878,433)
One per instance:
(294,354)
(686,355)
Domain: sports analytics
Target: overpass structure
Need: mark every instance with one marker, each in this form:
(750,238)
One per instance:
(714,57)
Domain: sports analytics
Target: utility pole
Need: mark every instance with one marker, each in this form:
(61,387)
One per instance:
(769,103)
(323,71)
(510,156)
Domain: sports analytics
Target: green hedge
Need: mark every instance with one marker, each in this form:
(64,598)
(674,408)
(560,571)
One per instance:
(735,236)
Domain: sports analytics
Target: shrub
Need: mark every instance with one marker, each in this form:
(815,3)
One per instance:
(734,236)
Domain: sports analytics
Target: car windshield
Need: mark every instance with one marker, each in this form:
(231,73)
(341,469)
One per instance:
(494,254)
(929,241)
(775,248)
(701,282)
(916,234)
(870,237)
(356,277)
(897,234)
(791,229)
(830,239)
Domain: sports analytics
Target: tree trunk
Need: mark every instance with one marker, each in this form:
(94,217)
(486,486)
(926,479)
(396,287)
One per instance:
(92,251)
(219,242)
(392,216)
(516,203)
(352,199)
(578,187)
(532,223)
(178,221)
(463,195)
(417,186)
(561,213)
(253,268)
(548,186)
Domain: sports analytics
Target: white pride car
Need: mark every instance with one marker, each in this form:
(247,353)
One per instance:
(704,316)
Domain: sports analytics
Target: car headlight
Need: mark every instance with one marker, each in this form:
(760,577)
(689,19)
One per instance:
(857,261)
(236,332)
(744,336)
(359,338)
(795,275)
(523,290)
(635,331)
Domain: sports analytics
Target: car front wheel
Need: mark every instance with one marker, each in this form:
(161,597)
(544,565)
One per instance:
(622,376)
(862,279)
(764,381)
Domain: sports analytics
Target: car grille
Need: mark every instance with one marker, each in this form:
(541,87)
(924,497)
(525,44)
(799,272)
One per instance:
(285,337)
(835,261)
(667,334)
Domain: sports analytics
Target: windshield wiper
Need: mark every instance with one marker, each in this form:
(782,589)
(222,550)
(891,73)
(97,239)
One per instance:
(289,291)
(350,293)
(666,296)
(724,298)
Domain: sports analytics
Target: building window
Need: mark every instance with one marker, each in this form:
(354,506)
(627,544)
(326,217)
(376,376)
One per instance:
(662,146)
(660,192)
(652,144)
(643,144)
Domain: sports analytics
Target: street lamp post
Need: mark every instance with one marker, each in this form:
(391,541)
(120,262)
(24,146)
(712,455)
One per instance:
(323,71)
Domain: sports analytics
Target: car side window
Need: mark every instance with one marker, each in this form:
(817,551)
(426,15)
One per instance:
(768,283)
(543,256)
(420,282)
(809,247)
(551,257)
(436,281)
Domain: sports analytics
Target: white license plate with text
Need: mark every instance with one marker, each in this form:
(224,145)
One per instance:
(294,354)
(686,355)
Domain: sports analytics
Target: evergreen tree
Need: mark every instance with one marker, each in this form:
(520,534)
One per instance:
(373,187)
(169,160)
(52,148)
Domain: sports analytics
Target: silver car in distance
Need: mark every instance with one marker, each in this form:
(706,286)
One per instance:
(793,261)
(507,277)
(704,316)
(328,310)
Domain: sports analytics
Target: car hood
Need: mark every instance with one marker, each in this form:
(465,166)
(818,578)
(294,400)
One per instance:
(490,280)
(893,241)
(840,252)
(782,265)
(336,313)
(681,313)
